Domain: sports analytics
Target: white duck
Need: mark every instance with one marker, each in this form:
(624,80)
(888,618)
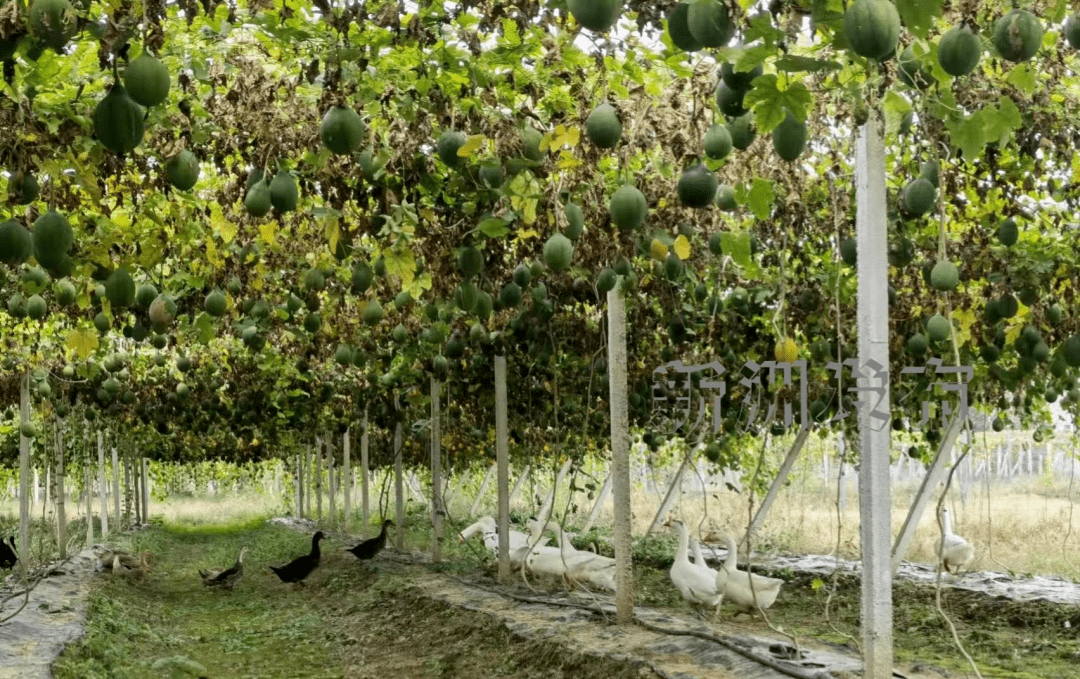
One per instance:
(538,559)
(695,581)
(587,567)
(954,551)
(743,588)
(490,535)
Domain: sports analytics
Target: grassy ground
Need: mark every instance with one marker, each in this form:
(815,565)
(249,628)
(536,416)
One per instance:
(362,621)
(350,620)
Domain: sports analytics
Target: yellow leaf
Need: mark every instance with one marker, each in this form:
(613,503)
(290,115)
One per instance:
(682,247)
(471,146)
(121,218)
(965,318)
(268,232)
(212,254)
(529,215)
(83,341)
(658,250)
(525,234)
(220,226)
(545,143)
(260,280)
(567,161)
(333,233)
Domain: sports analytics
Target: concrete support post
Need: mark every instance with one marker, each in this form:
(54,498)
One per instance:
(102,486)
(436,474)
(364,515)
(346,483)
(24,478)
(502,454)
(874,412)
(620,456)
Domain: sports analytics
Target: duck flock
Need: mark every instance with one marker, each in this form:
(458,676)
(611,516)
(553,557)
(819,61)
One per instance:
(699,584)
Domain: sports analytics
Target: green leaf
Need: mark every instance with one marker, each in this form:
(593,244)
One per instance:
(1022,78)
(761,198)
(967,135)
(400,262)
(793,63)
(205,328)
(494,227)
(896,107)
(737,246)
(918,15)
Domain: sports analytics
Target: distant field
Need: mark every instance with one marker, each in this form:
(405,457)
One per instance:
(1026,524)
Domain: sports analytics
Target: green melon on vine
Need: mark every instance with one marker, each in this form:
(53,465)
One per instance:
(36,307)
(872,28)
(679,29)
(1018,35)
(470,261)
(710,23)
(16,243)
(182,170)
(522,275)
(215,304)
(257,201)
(65,293)
(596,15)
(52,239)
(558,251)
(944,276)
(53,22)
(729,101)
(739,80)
(742,132)
(849,251)
(342,130)
(938,328)
(1072,30)
(575,221)
(23,186)
(918,197)
(959,51)
(531,138)
(120,289)
(603,126)
(628,208)
(725,198)
(606,280)
(447,147)
(789,138)
(717,144)
(697,186)
(1007,232)
(510,295)
(284,193)
(147,80)
(145,295)
(118,121)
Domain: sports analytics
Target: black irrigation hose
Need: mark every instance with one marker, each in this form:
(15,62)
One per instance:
(749,655)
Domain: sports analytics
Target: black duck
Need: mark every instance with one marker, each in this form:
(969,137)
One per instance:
(369,548)
(8,555)
(299,568)
(226,578)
